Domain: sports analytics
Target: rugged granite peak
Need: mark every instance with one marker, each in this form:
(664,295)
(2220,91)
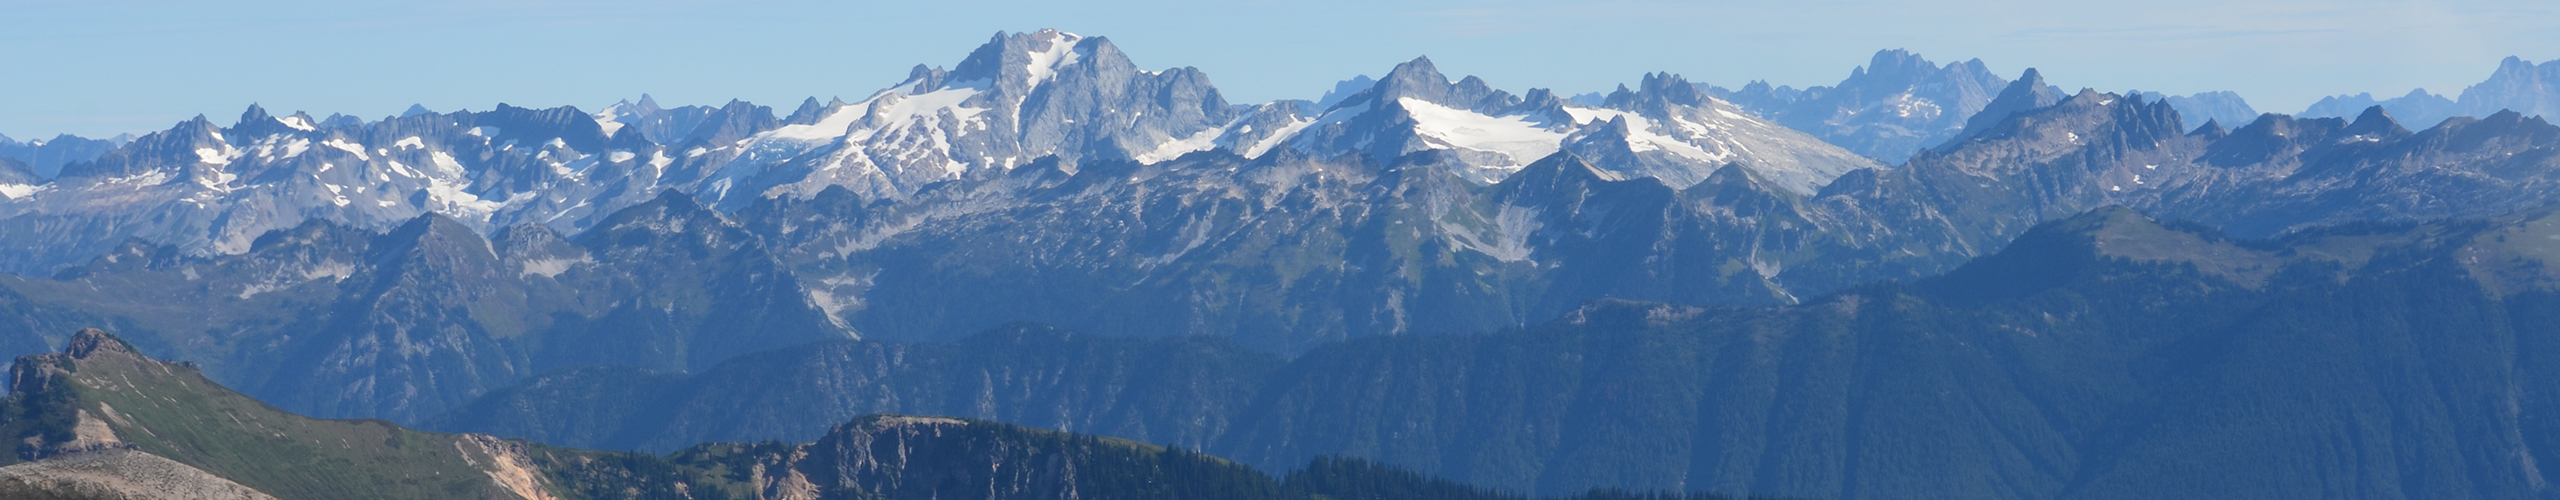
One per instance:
(2028,92)
(1016,99)
(1667,129)
(91,341)
(2517,85)
(1898,104)
(1420,80)
(811,111)
(2374,124)
(1679,135)
(213,189)
(730,124)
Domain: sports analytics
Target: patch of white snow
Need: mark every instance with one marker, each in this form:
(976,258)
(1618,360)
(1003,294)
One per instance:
(1516,137)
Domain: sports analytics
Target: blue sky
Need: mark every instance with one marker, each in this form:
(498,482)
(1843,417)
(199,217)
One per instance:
(100,67)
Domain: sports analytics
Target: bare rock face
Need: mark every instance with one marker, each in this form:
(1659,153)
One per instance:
(117,474)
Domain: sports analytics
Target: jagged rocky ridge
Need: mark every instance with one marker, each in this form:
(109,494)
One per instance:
(212,189)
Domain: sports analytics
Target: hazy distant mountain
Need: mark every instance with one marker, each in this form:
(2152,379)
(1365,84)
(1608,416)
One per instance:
(2418,107)
(1897,104)
(2222,107)
(2517,85)
(46,157)
(1344,89)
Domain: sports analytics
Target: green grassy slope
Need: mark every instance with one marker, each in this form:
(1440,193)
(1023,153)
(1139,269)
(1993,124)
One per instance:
(99,393)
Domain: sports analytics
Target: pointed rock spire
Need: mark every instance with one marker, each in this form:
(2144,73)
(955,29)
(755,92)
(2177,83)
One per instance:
(2377,122)
(2211,130)
(90,341)
(1417,79)
(255,115)
(2029,92)
(809,112)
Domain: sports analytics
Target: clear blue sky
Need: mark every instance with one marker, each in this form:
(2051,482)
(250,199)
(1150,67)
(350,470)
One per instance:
(100,67)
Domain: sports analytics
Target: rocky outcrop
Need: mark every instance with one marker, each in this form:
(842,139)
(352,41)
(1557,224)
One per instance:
(117,475)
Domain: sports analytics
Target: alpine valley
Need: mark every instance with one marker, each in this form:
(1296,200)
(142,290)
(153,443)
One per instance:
(1927,281)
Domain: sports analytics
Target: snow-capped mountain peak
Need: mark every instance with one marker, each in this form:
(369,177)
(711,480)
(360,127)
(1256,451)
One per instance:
(1015,99)
(1667,130)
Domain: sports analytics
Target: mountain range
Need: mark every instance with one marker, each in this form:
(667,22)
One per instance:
(1366,219)
(45,157)
(1669,286)
(2517,85)
(2104,355)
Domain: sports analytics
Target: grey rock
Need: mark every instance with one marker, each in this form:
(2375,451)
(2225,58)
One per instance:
(2029,92)
(118,474)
